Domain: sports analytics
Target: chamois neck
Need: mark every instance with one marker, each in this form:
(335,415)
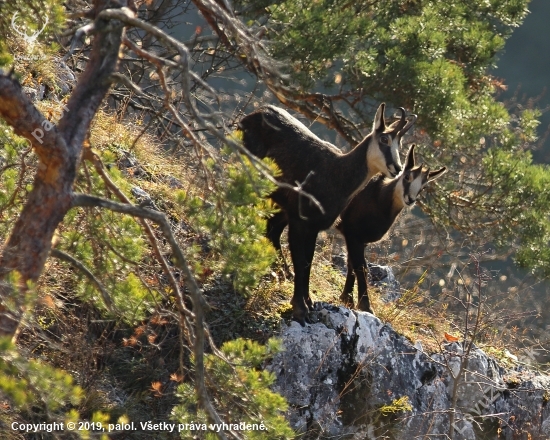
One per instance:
(398,203)
(354,170)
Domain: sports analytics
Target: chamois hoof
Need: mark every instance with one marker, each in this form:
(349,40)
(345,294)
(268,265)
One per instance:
(301,321)
(300,312)
(366,308)
(301,317)
(347,300)
(287,273)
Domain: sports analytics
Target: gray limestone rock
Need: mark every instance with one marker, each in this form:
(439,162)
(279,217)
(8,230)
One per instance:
(342,372)
(383,277)
(307,374)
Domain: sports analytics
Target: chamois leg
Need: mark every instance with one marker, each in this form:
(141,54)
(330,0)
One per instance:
(347,294)
(275,227)
(310,251)
(363,302)
(356,255)
(302,245)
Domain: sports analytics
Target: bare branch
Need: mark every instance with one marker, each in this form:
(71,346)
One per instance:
(87,29)
(119,77)
(94,83)
(151,57)
(56,253)
(201,119)
(315,106)
(96,161)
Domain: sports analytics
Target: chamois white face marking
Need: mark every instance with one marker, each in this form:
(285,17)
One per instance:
(413,182)
(413,179)
(394,150)
(385,145)
(410,181)
(377,162)
(388,144)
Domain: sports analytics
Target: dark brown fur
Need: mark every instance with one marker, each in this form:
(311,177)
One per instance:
(323,171)
(370,215)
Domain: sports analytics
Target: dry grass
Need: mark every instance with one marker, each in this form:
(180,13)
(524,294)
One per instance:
(37,67)
(413,321)
(413,315)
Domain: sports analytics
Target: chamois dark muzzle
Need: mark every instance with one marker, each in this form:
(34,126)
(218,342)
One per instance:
(394,169)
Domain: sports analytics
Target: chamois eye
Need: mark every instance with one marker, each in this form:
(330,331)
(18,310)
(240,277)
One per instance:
(384,139)
(409,178)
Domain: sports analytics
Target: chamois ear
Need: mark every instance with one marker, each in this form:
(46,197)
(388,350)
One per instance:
(409,162)
(379,123)
(432,175)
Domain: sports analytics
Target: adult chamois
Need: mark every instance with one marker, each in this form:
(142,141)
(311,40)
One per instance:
(371,213)
(322,171)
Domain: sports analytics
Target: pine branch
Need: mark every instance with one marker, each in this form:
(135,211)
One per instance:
(17,109)
(199,303)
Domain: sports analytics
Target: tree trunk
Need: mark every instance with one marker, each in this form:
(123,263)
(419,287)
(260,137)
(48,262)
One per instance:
(59,150)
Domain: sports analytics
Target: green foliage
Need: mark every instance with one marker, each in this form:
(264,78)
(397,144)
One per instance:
(114,253)
(29,383)
(39,392)
(522,188)
(13,149)
(34,386)
(431,56)
(110,245)
(241,391)
(234,216)
(31,16)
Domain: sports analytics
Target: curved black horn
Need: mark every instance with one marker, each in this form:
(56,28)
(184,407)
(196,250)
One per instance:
(403,113)
(402,119)
(408,125)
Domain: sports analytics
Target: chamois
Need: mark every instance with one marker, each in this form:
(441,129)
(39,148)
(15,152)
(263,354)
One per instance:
(370,215)
(277,223)
(324,172)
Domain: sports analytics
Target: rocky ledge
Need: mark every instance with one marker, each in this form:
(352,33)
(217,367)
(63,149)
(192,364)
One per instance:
(349,375)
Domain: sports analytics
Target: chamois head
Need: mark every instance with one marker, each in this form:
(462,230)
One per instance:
(384,157)
(413,179)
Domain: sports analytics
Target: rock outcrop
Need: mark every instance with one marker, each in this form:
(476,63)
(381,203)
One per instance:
(349,375)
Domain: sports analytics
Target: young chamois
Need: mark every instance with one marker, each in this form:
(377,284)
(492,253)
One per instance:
(370,215)
(324,172)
